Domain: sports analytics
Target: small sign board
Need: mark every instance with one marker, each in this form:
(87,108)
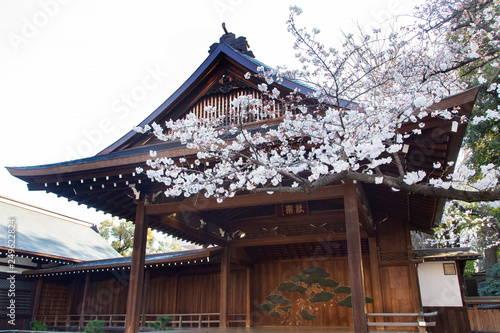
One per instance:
(292,209)
(449,269)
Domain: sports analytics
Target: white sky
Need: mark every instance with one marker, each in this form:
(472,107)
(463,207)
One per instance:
(67,67)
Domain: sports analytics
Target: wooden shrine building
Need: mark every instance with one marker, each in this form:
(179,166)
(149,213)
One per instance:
(319,259)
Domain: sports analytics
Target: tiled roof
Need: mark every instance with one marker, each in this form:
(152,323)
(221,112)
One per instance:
(44,232)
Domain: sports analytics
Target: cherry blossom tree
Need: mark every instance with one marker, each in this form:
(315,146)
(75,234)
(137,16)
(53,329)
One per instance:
(366,90)
(470,225)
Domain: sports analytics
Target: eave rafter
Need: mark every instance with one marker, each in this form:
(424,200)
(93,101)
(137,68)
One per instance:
(245,200)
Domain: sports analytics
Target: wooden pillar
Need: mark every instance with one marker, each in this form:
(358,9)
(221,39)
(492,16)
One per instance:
(134,298)
(176,293)
(248,304)
(354,258)
(145,297)
(378,304)
(84,300)
(36,300)
(224,286)
(412,271)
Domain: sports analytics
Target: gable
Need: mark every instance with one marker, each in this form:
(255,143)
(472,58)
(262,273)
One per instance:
(219,80)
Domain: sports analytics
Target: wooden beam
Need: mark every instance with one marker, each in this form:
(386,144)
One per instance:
(366,214)
(241,262)
(84,301)
(412,271)
(36,300)
(134,298)
(202,236)
(224,287)
(246,200)
(145,296)
(176,292)
(354,258)
(330,216)
(248,303)
(378,303)
(291,240)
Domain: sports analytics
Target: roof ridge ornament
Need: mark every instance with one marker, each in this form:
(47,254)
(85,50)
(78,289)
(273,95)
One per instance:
(239,44)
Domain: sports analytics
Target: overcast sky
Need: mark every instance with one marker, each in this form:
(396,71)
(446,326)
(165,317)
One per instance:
(77,75)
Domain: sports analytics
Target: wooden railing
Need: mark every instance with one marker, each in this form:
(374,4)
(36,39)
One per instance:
(420,320)
(483,313)
(185,319)
(118,320)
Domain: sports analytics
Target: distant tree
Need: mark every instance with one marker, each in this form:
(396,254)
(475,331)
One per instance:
(492,285)
(168,244)
(472,225)
(120,235)
(476,225)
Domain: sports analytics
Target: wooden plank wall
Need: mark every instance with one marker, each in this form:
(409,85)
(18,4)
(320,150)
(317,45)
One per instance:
(396,289)
(106,296)
(487,320)
(196,293)
(54,299)
(268,277)
(394,243)
(450,319)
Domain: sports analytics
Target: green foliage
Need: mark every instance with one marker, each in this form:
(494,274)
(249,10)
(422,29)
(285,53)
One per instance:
(120,235)
(161,324)
(316,271)
(312,274)
(38,326)
(266,307)
(310,282)
(277,299)
(323,296)
(95,326)
(346,302)
(328,283)
(285,308)
(342,290)
(470,268)
(292,287)
(492,286)
(484,138)
(274,314)
(306,315)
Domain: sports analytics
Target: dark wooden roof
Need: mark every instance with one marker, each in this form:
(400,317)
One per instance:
(181,258)
(454,253)
(223,59)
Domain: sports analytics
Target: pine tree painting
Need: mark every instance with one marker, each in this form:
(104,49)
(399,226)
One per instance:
(318,290)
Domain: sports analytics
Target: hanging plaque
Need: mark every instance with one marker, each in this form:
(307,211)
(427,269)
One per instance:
(292,209)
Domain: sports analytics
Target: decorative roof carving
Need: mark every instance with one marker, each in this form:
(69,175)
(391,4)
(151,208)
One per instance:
(239,44)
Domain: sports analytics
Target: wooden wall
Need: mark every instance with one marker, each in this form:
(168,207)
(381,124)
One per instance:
(396,289)
(486,320)
(450,319)
(197,289)
(398,274)
(105,295)
(167,293)
(55,299)
(268,277)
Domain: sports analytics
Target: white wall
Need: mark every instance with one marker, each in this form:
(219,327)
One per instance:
(436,288)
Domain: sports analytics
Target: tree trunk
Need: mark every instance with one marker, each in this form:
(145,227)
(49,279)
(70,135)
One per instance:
(490,256)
